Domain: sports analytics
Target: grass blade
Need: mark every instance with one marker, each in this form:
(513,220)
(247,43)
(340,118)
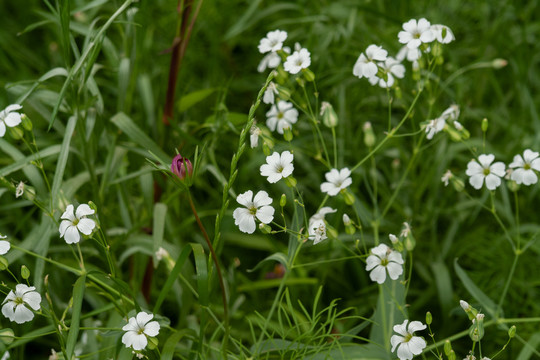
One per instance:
(78,295)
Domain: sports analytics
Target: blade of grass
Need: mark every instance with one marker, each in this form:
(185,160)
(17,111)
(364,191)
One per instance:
(78,295)
(62,160)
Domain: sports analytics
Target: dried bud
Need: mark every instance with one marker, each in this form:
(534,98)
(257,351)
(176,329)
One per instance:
(179,166)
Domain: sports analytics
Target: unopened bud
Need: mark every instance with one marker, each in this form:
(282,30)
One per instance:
(447,347)
(267,148)
(465,305)
(290,181)
(393,238)
(484,124)
(152,343)
(369,135)
(25,272)
(7,336)
(429,318)
(283,92)
(265,229)
(348,197)
(3,263)
(346,220)
(329,116)
(308,75)
(26,122)
(499,63)
(287,134)
(410,242)
(512,331)
(458,184)
(283,200)
(331,232)
(452,355)
(181,167)
(16,132)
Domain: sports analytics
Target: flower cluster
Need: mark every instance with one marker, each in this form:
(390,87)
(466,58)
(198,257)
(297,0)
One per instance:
(378,67)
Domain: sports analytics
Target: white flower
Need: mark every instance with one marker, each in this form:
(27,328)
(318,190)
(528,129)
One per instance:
(281,116)
(365,65)
(16,305)
(439,29)
(137,329)
(452,113)
(272,42)
(9,117)
(393,238)
(415,33)
(257,207)
(524,168)
(337,180)
(406,230)
(410,54)
(346,220)
(464,305)
(278,166)
(391,67)
(4,245)
(407,344)
(458,125)
(317,226)
(446,177)
(254,134)
(19,190)
(484,170)
(161,253)
(434,126)
(73,224)
(383,260)
(271,90)
(297,61)
(272,60)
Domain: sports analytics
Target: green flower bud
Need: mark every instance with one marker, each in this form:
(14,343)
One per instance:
(329,116)
(7,336)
(476,332)
(26,122)
(283,200)
(429,318)
(369,135)
(300,82)
(265,229)
(287,134)
(283,92)
(458,184)
(152,343)
(348,197)
(290,181)
(447,347)
(484,124)
(16,132)
(410,242)
(452,355)
(512,185)
(499,63)
(512,331)
(3,263)
(25,272)
(331,232)
(308,75)
(267,149)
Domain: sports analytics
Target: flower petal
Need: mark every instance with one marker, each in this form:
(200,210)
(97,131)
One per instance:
(72,235)
(32,299)
(68,214)
(86,226)
(4,247)
(83,210)
(416,326)
(378,274)
(394,270)
(152,328)
(245,198)
(13,119)
(265,214)
(476,181)
(492,181)
(416,345)
(22,314)
(262,199)
(64,225)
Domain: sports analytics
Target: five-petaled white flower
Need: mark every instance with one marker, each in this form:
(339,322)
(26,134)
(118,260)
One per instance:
(9,117)
(407,344)
(415,33)
(72,224)
(137,329)
(442,33)
(337,180)
(365,65)
(278,166)
(16,305)
(485,170)
(317,226)
(390,67)
(524,168)
(297,61)
(281,116)
(272,42)
(258,207)
(383,260)
(4,245)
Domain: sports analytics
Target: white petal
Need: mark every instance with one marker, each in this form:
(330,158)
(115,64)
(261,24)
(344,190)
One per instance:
(416,326)
(139,341)
(492,181)
(2,129)
(378,274)
(245,198)
(535,164)
(8,310)
(394,270)
(476,181)
(473,168)
(416,345)
(32,299)
(372,261)
(22,314)
(530,155)
(12,107)
(127,338)
(404,353)
(131,325)
(330,189)
(401,328)
(83,210)
(68,214)
(63,227)
(498,169)
(262,198)
(72,235)
(529,177)
(486,160)
(518,162)
(246,223)
(380,250)
(86,226)
(4,247)
(395,257)
(395,340)
(142,318)
(152,328)
(265,214)
(13,119)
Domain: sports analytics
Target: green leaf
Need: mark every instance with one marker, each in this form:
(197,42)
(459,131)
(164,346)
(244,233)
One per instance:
(62,159)
(279,257)
(530,347)
(444,285)
(170,345)
(78,295)
(160,211)
(21,163)
(193,98)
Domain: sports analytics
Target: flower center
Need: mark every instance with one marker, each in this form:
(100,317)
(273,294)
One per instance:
(416,35)
(279,168)
(18,300)
(280,115)
(75,222)
(486,171)
(384,262)
(252,210)
(140,331)
(407,337)
(299,62)
(527,166)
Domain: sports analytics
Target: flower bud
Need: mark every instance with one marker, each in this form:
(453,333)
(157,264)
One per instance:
(7,336)
(348,197)
(179,166)
(308,75)
(267,148)
(301,82)
(283,92)
(290,181)
(512,185)
(410,242)
(25,272)
(346,220)
(512,331)
(393,238)
(484,124)
(16,132)
(429,318)
(458,184)
(331,232)
(26,122)
(329,116)
(447,347)
(476,331)
(283,200)
(465,305)
(499,63)
(265,229)
(3,263)
(287,134)
(369,135)
(152,343)
(452,355)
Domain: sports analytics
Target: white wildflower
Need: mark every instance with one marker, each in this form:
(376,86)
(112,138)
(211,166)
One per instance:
(9,117)
(407,344)
(384,260)
(415,33)
(278,166)
(281,116)
(365,65)
(138,329)
(484,170)
(18,305)
(272,42)
(257,207)
(523,168)
(73,224)
(297,61)
(337,180)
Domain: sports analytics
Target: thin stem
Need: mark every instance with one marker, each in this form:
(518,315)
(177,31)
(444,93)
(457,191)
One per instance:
(507,284)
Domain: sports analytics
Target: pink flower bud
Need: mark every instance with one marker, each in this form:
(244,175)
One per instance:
(179,165)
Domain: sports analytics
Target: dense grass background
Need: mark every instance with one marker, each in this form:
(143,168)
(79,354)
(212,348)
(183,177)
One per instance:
(131,74)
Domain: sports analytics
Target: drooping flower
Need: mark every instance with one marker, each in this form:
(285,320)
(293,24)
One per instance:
(485,170)
(281,116)
(446,177)
(9,117)
(297,61)
(436,125)
(278,166)
(407,344)
(524,168)
(138,329)
(391,68)
(317,225)
(4,245)
(271,90)
(272,42)
(443,34)
(73,224)
(254,134)
(411,55)
(365,65)
(384,260)
(258,207)
(337,180)
(415,33)
(17,305)
(181,167)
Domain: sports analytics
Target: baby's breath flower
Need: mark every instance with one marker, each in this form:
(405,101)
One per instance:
(337,180)
(4,245)
(9,117)
(484,170)
(16,307)
(443,34)
(254,134)
(73,224)
(297,61)
(384,260)
(365,65)
(407,344)
(271,90)
(317,225)
(138,329)
(393,238)
(258,207)
(390,67)
(446,177)
(281,116)
(269,61)
(523,168)
(410,54)
(278,166)
(273,41)
(415,33)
